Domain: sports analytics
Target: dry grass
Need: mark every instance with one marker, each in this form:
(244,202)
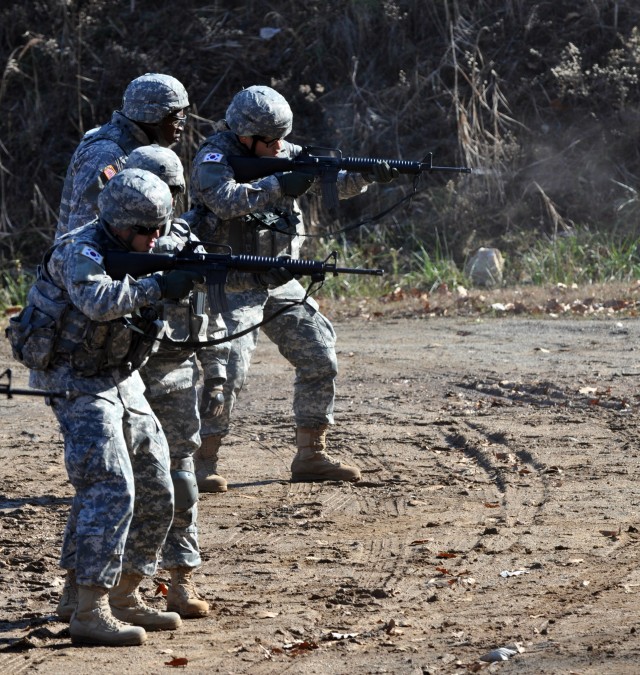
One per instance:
(538,98)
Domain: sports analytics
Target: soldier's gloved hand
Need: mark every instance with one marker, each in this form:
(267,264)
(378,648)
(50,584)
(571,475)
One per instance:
(294,183)
(177,284)
(276,276)
(212,401)
(381,173)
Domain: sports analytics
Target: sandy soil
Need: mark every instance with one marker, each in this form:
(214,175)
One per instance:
(498,508)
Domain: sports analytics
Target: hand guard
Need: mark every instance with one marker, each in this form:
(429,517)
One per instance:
(212,401)
(276,276)
(381,173)
(294,183)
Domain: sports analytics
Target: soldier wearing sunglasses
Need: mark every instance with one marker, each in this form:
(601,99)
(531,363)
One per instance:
(262,217)
(153,111)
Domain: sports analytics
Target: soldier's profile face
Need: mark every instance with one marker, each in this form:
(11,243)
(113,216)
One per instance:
(170,128)
(140,239)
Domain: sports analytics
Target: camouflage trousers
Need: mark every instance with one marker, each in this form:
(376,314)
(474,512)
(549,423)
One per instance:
(171,380)
(304,337)
(117,459)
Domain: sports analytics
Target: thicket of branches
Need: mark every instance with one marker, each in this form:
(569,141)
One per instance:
(539,98)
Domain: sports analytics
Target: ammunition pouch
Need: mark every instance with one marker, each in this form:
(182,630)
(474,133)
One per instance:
(34,333)
(268,233)
(147,329)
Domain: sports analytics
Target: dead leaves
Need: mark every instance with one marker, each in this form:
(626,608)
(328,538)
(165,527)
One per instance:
(178,662)
(560,301)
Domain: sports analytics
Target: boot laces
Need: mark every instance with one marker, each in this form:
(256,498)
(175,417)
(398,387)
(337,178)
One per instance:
(103,612)
(327,458)
(186,586)
(69,594)
(141,606)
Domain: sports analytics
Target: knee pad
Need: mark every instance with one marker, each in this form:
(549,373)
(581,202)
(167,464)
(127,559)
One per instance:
(185,488)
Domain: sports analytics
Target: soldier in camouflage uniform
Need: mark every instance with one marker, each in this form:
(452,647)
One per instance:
(170,376)
(153,111)
(262,218)
(116,453)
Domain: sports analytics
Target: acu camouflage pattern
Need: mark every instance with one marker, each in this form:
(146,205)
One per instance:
(171,376)
(152,96)
(225,213)
(94,336)
(163,162)
(114,445)
(136,197)
(259,111)
(100,148)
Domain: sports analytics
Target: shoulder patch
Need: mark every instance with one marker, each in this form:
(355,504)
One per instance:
(92,254)
(109,171)
(213,157)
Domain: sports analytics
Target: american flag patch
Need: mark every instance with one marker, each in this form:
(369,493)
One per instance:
(213,157)
(109,171)
(92,254)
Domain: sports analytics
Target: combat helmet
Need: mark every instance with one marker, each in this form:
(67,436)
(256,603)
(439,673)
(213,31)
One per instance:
(259,111)
(163,162)
(135,197)
(151,97)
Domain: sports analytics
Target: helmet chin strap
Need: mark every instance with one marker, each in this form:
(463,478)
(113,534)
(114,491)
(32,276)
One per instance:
(127,242)
(254,142)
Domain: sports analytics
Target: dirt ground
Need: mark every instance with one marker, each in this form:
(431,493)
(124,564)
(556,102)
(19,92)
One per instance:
(498,509)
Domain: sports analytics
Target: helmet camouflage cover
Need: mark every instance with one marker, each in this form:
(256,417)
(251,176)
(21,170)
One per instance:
(163,162)
(151,97)
(135,197)
(259,111)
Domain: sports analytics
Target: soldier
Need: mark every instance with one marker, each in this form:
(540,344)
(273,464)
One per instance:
(263,218)
(153,111)
(116,453)
(170,376)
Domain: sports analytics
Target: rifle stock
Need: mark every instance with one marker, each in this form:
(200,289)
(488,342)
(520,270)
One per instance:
(215,266)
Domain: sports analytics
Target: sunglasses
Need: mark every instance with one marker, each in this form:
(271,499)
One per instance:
(145,231)
(178,121)
(268,142)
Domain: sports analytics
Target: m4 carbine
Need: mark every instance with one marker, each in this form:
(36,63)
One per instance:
(215,266)
(326,163)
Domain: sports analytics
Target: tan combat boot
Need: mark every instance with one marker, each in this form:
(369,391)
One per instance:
(69,597)
(93,623)
(206,464)
(127,605)
(183,597)
(312,463)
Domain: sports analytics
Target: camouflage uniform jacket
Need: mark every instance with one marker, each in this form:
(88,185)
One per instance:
(101,153)
(253,218)
(93,339)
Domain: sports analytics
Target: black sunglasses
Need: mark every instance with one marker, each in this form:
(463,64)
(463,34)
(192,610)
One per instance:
(145,231)
(268,143)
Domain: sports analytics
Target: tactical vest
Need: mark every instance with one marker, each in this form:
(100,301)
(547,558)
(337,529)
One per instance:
(50,331)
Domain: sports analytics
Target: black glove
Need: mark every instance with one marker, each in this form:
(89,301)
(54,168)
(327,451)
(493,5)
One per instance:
(381,173)
(212,401)
(177,284)
(294,183)
(276,276)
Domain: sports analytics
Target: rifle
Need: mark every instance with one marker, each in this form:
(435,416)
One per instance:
(326,162)
(11,391)
(214,267)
